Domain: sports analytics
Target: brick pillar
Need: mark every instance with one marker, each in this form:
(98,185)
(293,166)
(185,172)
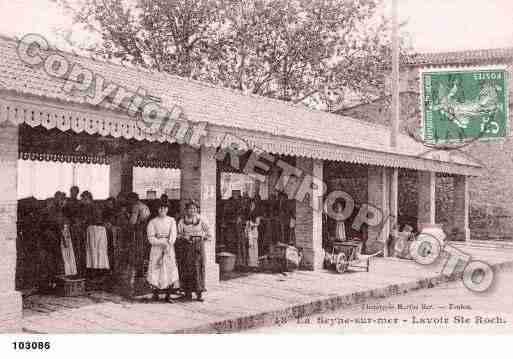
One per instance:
(378,182)
(426,200)
(309,221)
(10,299)
(461,209)
(198,182)
(121,175)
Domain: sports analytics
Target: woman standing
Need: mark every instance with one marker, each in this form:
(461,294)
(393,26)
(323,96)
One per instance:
(139,215)
(266,227)
(73,211)
(162,269)
(50,262)
(67,250)
(97,258)
(190,251)
(251,234)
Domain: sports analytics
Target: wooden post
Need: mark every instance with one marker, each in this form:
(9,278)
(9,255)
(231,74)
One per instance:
(394,203)
(395,75)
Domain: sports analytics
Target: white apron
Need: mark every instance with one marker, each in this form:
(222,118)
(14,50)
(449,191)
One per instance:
(68,254)
(252,235)
(97,246)
(162,269)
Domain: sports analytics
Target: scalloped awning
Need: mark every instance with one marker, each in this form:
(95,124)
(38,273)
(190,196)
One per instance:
(41,144)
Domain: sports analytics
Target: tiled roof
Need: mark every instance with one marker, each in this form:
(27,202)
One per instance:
(221,107)
(469,57)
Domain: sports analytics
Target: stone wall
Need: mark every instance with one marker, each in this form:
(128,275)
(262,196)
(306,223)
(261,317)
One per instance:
(349,177)
(408,199)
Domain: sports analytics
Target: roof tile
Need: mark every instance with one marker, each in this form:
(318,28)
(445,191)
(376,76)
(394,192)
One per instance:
(204,102)
(468,57)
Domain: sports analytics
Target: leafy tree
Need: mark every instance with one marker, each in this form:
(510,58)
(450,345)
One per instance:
(310,51)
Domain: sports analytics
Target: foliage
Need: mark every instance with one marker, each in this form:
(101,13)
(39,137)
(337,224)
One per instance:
(311,51)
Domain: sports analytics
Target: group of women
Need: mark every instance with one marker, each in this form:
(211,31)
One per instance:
(73,238)
(79,237)
(250,226)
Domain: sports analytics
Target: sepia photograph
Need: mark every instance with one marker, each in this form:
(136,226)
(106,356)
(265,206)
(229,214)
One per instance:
(255,167)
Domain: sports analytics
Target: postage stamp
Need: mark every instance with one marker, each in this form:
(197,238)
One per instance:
(464,104)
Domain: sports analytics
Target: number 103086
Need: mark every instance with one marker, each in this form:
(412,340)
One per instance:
(31,345)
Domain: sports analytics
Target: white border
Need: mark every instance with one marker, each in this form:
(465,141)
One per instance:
(456,69)
(313,345)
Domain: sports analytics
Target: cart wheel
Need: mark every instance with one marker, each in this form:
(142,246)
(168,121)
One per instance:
(340,263)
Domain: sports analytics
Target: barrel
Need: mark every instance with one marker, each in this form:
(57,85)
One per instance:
(226,262)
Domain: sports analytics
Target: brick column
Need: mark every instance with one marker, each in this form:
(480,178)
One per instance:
(426,200)
(10,299)
(309,221)
(378,182)
(121,175)
(461,209)
(198,182)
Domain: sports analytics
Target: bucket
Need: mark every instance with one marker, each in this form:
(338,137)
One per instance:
(70,286)
(226,261)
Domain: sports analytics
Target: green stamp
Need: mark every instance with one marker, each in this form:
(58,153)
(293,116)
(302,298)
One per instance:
(460,105)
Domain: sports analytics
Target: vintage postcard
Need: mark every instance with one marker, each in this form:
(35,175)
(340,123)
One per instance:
(255,166)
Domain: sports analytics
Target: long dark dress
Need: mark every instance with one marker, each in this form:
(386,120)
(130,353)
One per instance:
(266,237)
(232,221)
(73,211)
(139,220)
(190,254)
(50,263)
(123,271)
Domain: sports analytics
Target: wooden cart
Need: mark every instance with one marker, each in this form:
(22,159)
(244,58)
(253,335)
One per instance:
(346,255)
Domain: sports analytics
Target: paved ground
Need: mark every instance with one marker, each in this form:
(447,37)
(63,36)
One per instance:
(447,308)
(258,300)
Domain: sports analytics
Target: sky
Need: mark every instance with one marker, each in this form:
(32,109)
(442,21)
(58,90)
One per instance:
(445,25)
(433,25)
